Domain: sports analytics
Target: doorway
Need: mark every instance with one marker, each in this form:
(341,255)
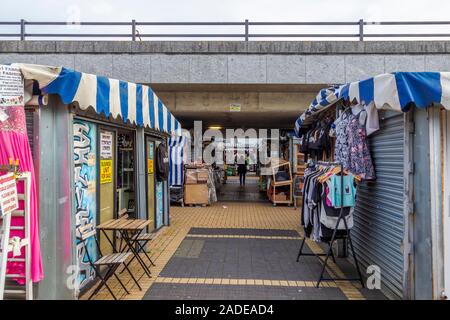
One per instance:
(107,182)
(150,156)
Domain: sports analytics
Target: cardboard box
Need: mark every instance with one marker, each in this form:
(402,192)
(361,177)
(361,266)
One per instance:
(202,176)
(281,196)
(191,176)
(196,194)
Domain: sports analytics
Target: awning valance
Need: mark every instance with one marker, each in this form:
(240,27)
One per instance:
(134,102)
(393,91)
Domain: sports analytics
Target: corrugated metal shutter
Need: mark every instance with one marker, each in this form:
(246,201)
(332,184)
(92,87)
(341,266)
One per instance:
(29,113)
(378,231)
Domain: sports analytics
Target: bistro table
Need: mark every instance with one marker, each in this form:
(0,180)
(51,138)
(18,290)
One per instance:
(127,228)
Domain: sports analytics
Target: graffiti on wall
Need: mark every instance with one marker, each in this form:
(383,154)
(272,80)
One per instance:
(84,143)
(159,204)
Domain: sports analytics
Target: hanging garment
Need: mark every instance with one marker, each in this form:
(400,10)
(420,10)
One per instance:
(342,148)
(372,122)
(360,163)
(14,144)
(334,185)
(162,162)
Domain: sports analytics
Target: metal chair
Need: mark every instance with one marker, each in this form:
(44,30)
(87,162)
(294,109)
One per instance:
(111,261)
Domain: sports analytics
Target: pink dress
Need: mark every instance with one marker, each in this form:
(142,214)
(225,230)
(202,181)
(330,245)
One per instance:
(14,144)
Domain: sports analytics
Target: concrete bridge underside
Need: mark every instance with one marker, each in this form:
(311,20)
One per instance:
(271,81)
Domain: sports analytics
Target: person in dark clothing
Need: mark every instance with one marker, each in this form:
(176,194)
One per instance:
(242,170)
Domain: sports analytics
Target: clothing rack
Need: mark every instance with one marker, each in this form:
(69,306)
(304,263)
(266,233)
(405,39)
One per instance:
(333,237)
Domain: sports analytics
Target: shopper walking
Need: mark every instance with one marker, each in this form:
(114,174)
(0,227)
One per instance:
(242,170)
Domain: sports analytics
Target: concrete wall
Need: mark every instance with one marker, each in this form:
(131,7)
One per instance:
(233,62)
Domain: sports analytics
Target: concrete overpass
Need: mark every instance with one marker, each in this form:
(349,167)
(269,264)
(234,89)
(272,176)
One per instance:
(271,81)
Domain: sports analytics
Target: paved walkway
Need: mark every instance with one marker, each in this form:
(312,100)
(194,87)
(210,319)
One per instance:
(235,251)
(231,191)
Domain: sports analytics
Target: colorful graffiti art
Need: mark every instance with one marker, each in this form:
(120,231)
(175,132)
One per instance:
(84,142)
(159,204)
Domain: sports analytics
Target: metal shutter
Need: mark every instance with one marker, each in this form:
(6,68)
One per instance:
(378,230)
(29,113)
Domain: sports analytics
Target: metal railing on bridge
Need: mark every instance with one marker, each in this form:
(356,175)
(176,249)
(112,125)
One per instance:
(356,30)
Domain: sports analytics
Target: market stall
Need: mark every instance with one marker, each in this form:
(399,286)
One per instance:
(365,126)
(94,148)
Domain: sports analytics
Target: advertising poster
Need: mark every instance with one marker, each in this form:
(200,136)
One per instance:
(106,171)
(85,165)
(8,194)
(11,86)
(106,144)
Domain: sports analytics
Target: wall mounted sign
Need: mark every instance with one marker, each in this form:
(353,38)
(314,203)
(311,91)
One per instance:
(11,86)
(235,107)
(106,141)
(106,170)
(8,194)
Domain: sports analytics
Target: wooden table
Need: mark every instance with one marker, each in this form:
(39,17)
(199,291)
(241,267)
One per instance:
(127,228)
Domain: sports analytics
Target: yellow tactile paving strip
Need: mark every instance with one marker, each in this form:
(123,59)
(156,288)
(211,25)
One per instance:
(248,282)
(219,215)
(241,236)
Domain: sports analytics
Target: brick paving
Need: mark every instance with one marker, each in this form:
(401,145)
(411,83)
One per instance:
(234,250)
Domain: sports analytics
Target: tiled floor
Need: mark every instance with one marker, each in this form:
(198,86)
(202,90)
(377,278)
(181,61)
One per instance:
(234,250)
(232,191)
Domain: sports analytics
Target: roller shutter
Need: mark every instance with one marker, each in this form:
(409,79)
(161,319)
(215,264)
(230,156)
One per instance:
(379,228)
(29,114)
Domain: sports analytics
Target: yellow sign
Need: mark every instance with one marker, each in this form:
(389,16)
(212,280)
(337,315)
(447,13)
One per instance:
(150,166)
(106,170)
(235,107)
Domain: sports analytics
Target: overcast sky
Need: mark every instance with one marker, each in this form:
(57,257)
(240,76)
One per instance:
(228,10)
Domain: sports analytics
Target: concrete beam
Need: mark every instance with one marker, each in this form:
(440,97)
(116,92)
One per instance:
(227,47)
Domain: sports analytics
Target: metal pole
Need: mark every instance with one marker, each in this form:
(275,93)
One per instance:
(361,30)
(246,29)
(22,29)
(133,30)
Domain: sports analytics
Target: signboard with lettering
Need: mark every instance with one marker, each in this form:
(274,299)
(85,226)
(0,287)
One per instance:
(8,194)
(106,170)
(11,86)
(235,107)
(106,141)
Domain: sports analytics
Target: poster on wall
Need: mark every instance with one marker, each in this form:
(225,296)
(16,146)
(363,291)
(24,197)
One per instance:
(106,145)
(85,166)
(8,194)
(150,164)
(106,171)
(11,86)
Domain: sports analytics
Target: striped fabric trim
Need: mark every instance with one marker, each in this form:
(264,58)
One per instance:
(132,102)
(397,91)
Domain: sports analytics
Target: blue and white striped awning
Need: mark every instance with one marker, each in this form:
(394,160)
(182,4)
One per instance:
(177,158)
(393,91)
(132,102)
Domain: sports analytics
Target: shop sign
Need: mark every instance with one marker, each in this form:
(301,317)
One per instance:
(106,141)
(235,107)
(8,194)
(106,172)
(150,166)
(11,86)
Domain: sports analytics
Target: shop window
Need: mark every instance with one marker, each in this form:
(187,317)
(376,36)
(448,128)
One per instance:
(126,198)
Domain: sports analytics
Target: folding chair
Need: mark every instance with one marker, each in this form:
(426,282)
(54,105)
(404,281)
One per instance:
(111,261)
(141,240)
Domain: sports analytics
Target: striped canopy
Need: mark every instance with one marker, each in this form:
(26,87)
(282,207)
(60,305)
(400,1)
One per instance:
(393,91)
(177,158)
(130,101)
